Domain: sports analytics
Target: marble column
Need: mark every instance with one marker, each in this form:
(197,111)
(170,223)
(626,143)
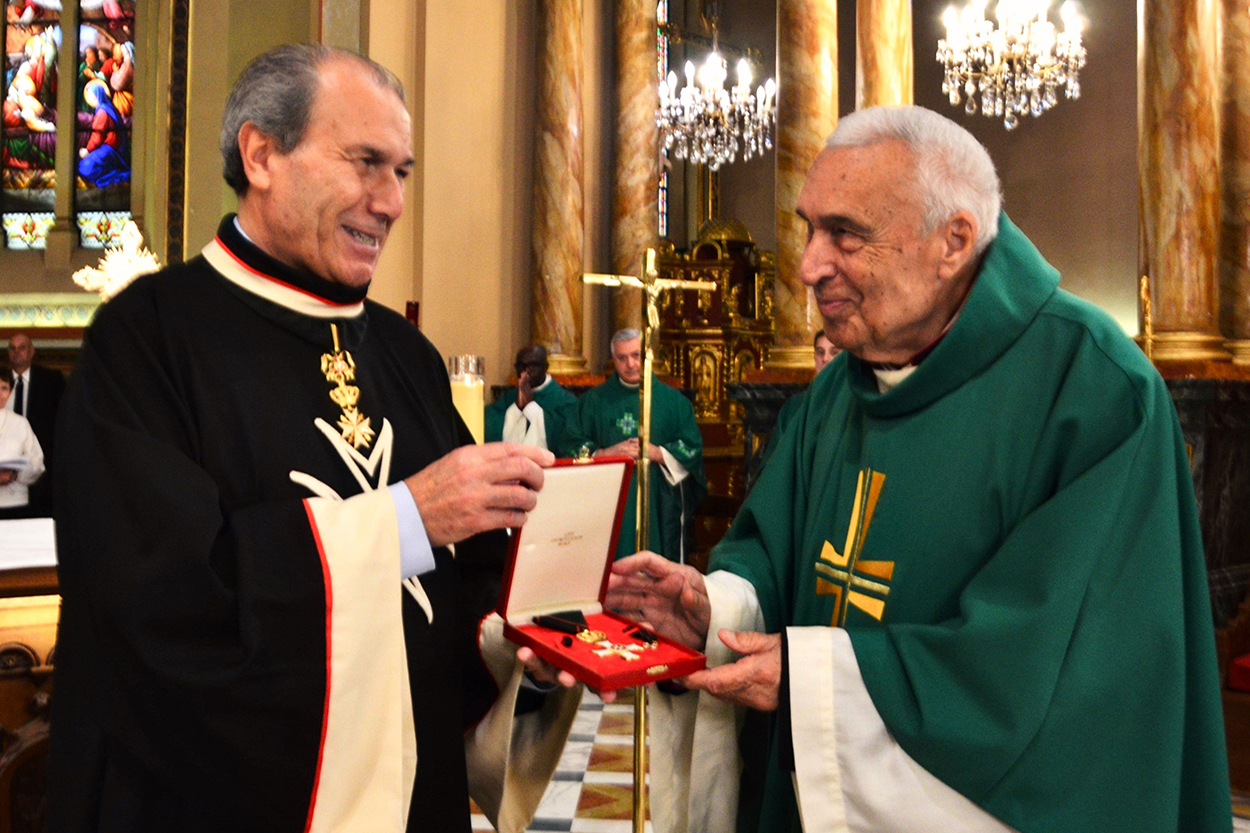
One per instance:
(558,212)
(635,210)
(883,55)
(807,111)
(1235,169)
(1178,149)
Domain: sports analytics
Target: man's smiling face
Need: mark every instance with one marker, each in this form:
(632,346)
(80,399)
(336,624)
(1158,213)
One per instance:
(328,204)
(878,276)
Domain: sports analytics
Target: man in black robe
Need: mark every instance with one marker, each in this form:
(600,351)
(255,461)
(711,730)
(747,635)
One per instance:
(254,457)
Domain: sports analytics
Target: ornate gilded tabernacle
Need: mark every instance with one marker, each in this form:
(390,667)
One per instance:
(708,338)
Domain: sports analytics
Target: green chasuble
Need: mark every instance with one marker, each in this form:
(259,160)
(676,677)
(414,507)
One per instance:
(608,414)
(1009,538)
(556,402)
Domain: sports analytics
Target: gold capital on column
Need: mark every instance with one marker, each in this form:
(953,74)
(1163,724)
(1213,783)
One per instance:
(558,212)
(1178,148)
(807,101)
(883,55)
(635,209)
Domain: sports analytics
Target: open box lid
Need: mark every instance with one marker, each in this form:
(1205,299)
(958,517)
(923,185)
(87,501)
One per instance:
(561,558)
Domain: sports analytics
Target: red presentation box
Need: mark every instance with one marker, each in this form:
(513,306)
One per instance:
(560,562)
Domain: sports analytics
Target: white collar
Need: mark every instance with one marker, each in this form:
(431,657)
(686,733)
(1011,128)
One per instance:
(887,380)
(273,289)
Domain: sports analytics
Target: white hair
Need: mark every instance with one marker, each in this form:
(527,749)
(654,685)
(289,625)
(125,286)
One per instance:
(954,171)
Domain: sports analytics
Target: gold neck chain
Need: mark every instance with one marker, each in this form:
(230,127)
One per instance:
(340,368)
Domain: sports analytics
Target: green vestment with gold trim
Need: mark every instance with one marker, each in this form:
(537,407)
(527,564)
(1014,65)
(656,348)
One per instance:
(1010,539)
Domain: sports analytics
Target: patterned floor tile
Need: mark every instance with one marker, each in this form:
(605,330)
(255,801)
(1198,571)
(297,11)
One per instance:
(594,784)
(606,801)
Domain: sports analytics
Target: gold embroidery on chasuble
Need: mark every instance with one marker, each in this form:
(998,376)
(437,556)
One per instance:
(846,577)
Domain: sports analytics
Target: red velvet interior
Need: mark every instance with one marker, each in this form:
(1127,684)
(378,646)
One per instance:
(611,671)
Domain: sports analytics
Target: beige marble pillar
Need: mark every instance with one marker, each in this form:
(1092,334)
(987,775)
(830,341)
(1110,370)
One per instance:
(807,111)
(635,210)
(558,221)
(1235,168)
(1178,148)
(883,54)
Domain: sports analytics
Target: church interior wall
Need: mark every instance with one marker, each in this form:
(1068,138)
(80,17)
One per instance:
(476,175)
(392,32)
(748,188)
(1069,177)
(463,249)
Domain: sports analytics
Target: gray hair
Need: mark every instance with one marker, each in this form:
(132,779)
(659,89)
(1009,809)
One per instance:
(627,334)
(954,171)
(276,93)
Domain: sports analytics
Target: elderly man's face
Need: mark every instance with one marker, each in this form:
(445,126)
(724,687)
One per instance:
(328,205)
(21,352)
(627,356)
(884,290)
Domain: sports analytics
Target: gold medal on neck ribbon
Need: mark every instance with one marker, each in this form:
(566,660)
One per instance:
(340,368)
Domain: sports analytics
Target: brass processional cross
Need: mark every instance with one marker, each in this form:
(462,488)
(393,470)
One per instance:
(650,282)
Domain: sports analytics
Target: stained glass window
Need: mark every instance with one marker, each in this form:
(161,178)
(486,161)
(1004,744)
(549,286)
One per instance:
(105,119)
(100,126)
(32,35)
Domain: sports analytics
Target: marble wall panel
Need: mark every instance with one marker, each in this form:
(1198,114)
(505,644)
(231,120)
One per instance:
(1235,129)
(883,54)
(807,59)
(558,210)
(635,212)
(1178,149)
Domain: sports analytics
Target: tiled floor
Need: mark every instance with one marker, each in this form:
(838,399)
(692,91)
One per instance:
(592,791)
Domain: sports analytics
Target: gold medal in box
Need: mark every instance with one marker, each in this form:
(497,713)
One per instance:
(557,575)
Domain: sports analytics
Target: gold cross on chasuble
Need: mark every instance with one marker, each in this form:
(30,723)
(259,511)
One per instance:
(843,575)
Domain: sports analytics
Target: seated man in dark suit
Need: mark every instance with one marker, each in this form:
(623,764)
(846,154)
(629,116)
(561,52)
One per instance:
(36,394)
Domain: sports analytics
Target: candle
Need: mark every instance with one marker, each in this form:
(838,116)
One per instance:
(468,392)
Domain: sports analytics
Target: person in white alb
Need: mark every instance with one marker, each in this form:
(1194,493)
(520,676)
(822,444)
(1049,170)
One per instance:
(20,449)
(536,411)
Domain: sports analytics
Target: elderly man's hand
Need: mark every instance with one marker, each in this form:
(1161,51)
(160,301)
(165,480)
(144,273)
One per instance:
(544,672)
(669,598)
(753,681)
(477,488)
(7,476)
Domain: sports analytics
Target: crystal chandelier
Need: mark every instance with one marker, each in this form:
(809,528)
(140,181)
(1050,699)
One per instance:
(707,124)
(1017,68)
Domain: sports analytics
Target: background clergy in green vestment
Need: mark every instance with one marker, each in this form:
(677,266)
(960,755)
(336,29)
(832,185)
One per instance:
(536,411)
(606,422)
(968,590)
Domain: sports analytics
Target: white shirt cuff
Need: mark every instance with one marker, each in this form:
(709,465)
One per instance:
(416,556)
(674,471)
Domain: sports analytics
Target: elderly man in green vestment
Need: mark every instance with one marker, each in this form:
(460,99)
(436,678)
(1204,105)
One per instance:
(536,411)
(606,422)
(968,590)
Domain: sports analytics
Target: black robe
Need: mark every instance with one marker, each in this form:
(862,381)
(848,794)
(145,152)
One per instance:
(191,683)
